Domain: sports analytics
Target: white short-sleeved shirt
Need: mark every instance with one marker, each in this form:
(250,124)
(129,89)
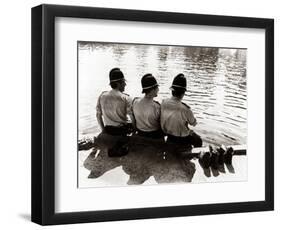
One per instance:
(147,114)
(114,106)
(175,117)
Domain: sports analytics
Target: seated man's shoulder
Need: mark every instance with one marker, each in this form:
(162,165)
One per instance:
(185,105)
(125,94)
(135,99)
(164,101)
(126,97)
(157,103)
(103,93)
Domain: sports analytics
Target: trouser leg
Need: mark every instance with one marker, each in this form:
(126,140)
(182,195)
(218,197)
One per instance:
(192,139)
(116,131)
(195,140)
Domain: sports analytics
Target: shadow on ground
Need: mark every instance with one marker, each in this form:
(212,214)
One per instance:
(25,216)
(141,159)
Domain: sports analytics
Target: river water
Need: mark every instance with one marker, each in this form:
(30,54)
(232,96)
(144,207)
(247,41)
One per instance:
(216,82)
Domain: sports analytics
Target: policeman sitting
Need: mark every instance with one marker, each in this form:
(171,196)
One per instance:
(113,106)
(176,116)
(146,111)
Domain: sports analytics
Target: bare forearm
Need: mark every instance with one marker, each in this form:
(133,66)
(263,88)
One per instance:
(133,121)
(100,121)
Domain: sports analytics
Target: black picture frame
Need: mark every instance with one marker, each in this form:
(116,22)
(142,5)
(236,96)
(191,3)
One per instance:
(43,113)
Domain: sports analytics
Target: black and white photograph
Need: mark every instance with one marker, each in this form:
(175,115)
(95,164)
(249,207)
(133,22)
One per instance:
(140,114)
(151,114)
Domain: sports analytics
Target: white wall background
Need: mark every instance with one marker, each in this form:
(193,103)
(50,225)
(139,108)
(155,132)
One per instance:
(15,113)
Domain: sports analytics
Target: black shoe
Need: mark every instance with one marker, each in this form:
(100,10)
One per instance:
(214,160)
(220,152)
(228,155)
(205,159)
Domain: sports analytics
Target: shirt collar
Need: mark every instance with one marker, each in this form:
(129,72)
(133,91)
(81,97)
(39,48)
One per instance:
(115,91)
(175,98)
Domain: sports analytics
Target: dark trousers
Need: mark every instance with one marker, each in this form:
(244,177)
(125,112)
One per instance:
(118,130)
(189,140)
(153,134)
(119,144)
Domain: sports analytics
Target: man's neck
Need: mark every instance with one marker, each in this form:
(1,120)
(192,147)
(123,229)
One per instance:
(176,98)
(149,97)
(116,90)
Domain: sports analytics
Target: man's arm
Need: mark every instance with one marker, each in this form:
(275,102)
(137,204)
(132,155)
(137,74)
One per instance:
(100,121)
(130,112)
(190,117)
(194,122)
(132,117)
(99,114)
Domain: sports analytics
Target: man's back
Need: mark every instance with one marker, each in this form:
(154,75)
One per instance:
(147,114)
(114,107)
(175,117)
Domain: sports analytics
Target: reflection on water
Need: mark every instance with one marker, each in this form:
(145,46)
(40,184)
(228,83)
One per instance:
(216,81)
(148,158)
(141,165)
